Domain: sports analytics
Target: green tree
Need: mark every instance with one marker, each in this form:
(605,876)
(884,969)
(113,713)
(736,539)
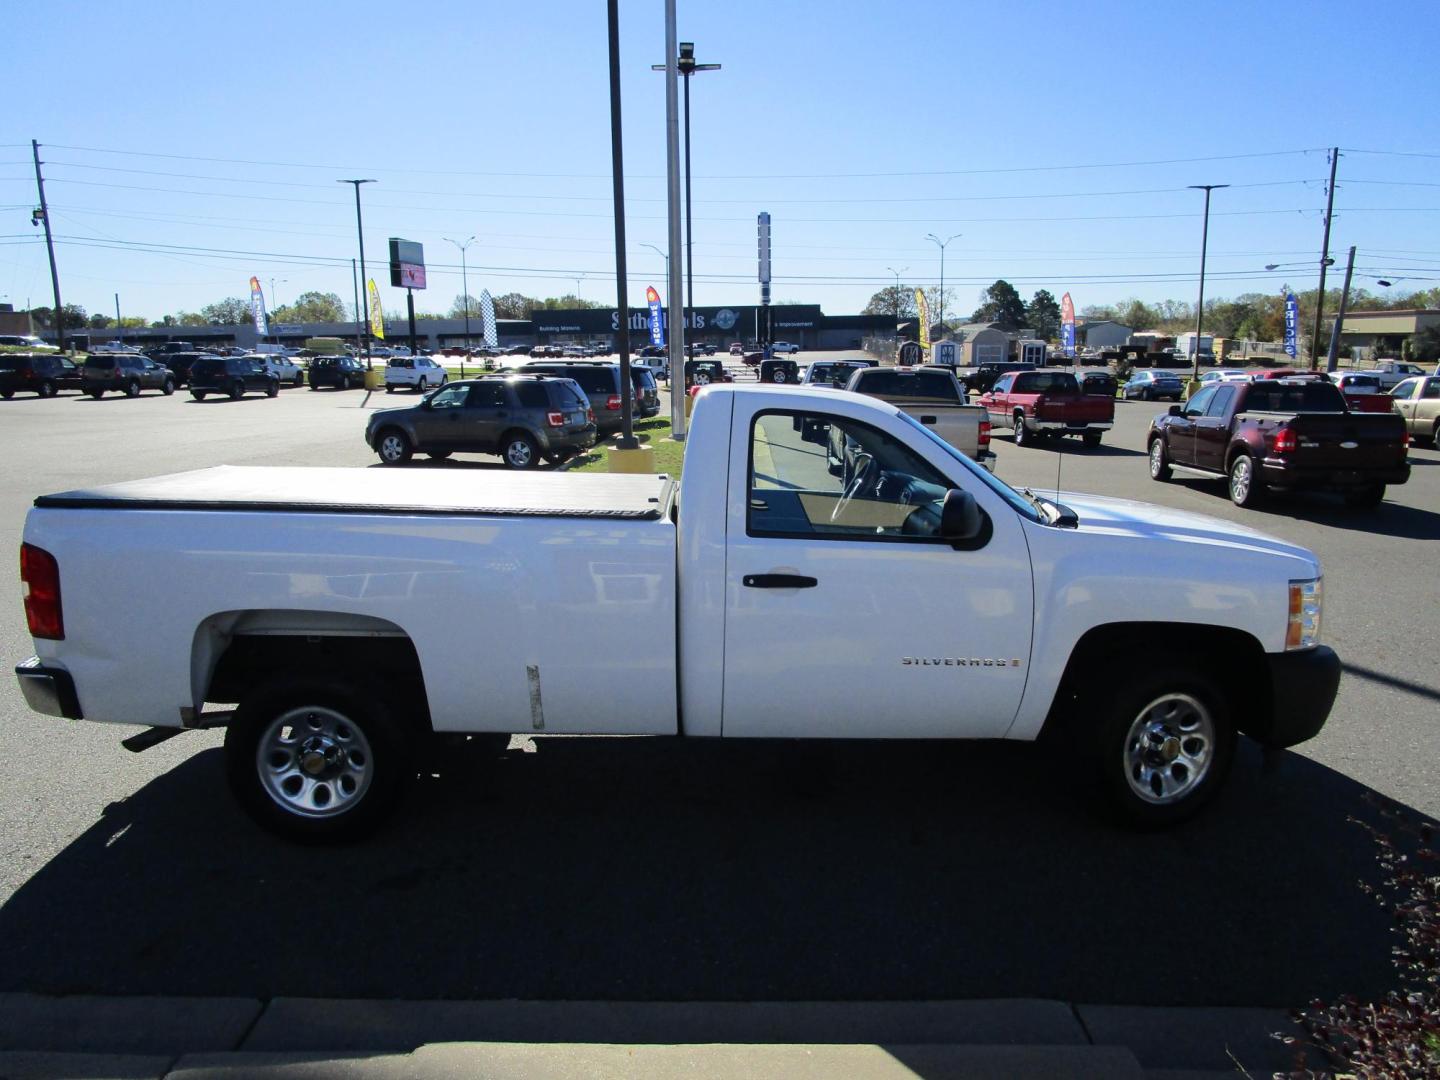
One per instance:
(232,311)
(99,321)
(313,307)
(457,309)
(1137,315)
(897,301)
(564,303)
(1095,312)
(1425,345)
(1001,304)
(75,317)
(1043,315)
(514,305)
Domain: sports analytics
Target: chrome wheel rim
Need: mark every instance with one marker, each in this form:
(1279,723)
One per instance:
(1169,749)
(1157,458)
(392,448)
(1240,479)
(518,454)
(314,763)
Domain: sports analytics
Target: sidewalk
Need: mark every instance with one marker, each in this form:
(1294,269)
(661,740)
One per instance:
(150,1038)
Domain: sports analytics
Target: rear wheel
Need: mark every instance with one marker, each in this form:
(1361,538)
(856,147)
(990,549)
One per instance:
(198,395)
(96,394)
(299,380)
(1246,488)
(1023,436)
(7,394)
(519,450)
(316,760)
(132,389)
(394,447)
(1159,460)
(1091,439)
(237,390)
(1435,435)
(167,387)
(47,389)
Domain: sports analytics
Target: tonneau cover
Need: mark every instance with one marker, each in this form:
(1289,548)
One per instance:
(375,490)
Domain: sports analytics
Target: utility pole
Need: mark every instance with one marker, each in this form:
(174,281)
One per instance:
(676,312)
(622,296)
(355,280)
(119,326)
(1334,356)
(1200,305)
(1324,260)
(50,247)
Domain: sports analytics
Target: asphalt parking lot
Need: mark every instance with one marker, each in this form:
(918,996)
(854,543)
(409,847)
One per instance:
(621,870)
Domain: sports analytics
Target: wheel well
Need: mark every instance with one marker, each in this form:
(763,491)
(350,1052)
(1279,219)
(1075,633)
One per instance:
(1234,658)
(382,431)
(237,651)
(518,431)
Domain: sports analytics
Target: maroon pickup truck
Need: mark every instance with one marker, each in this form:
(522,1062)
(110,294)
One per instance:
(1036,403)
(1289,433)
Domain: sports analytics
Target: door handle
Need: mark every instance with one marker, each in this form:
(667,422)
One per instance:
(778,581)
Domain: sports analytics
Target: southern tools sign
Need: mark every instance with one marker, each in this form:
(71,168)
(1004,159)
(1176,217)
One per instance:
(1067,325)
(407,264)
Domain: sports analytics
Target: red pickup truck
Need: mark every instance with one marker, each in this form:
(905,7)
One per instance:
(1289,433)
(1036,403)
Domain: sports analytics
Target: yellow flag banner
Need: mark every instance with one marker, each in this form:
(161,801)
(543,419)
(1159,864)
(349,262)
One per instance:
(377,316)
(924,308)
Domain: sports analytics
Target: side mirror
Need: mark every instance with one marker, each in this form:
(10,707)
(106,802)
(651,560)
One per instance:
(960,517)
(1175,410)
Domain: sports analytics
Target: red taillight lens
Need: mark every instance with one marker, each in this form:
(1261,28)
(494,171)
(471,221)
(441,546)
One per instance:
(612,403)
(1284,441)
(984,434)
(555,419)
(40,585)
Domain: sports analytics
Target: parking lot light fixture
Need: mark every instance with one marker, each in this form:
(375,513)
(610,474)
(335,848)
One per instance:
(1200,306)
(941,245)
(364,290)
(896,305)
(464,289)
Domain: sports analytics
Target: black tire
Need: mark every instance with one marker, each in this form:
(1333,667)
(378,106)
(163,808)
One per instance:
(339,737)
(1365,498)
(438,455)
(1023,436)
(273,390)
(519,451)
(96,394)
(198,395)
(394,446)
(1246,488)
(1091,439)
(1159,460)
(167,387)
(47,389)
(389,389)
(1435,435)
(558,457)
(1168,733)
(7,394)
(132,389)
(237,390)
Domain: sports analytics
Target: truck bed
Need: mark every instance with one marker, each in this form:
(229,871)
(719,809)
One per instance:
(444,492)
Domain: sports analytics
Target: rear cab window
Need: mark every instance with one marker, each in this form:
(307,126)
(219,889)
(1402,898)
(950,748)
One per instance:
(1296,397)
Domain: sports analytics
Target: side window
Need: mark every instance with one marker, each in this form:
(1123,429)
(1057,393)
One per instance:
(1197,405)
(452,397)
(1404,390)
(1432,388)
(532,395)
(1002,384)
(815,476)
(488,395)
(1221,401)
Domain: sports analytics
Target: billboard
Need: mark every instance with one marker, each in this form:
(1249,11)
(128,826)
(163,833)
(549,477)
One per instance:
(407,264)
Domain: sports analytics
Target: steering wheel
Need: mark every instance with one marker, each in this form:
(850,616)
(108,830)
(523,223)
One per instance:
(864,468)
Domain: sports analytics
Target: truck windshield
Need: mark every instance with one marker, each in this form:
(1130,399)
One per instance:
(1013,498)
(928,385)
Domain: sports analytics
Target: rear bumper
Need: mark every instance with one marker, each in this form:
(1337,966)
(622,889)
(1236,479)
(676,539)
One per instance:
(48,690)
(1279,474)
(1303,685)
(1063,426)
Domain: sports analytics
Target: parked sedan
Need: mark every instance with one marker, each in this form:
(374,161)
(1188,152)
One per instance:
(1418,401)
(233,376)
(523,418)
(44,375)
(1152,386)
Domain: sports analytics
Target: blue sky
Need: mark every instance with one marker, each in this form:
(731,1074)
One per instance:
(859,127)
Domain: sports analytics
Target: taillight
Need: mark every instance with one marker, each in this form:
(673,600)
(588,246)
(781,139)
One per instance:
(984,434)
(590,415)
(613,402)
(40,586)
(555,419)
(1284,441)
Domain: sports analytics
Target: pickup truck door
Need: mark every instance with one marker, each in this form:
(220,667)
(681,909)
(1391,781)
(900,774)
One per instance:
(845,616)
(1180,430)
(998,403)
(1212,431)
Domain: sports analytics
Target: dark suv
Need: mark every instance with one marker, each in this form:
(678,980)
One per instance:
(43,374)
(601,382)
(126,372)
(523,418)
(179,364)
(341,372)
(233,376)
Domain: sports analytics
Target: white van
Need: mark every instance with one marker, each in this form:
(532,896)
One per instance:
(417,372)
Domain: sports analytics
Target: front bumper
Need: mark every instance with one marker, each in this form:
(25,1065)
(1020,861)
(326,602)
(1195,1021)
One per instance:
(48,690)
(1303,685)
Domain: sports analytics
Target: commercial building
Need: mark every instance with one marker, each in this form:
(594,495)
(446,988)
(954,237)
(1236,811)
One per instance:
(1383,333)
(983,343)
(1101,333)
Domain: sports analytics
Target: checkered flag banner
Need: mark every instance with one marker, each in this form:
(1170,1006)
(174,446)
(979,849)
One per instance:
(487,316)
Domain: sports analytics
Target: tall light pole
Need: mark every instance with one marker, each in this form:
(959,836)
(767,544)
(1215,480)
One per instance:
(941,245)
(672,202)
(662,254)
(1204,243)
(464,286)
(896,304)
(274,303)
(1325,260)
(364,281)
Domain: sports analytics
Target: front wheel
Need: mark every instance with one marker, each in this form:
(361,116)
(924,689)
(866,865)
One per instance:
(1159,461)
(47,389)
(273,389)
(198,395)
(438,455)
(168,387)
(1246,488)
(519,451)
(1165,744)
(316,760)
(394,447)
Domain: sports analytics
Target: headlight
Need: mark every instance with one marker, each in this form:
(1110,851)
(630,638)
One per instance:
(1303,630)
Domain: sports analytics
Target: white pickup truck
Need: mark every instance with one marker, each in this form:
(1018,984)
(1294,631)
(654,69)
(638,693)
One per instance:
(326,617)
